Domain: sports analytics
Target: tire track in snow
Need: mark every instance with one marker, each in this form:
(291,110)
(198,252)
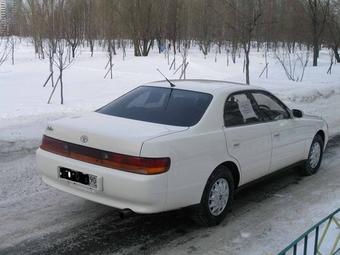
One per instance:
(10,150)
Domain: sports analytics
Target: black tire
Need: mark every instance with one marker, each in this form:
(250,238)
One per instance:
(203,214)
(308,167)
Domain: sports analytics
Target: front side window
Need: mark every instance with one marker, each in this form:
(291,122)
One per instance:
(167,106)
(270,107)
(239,110)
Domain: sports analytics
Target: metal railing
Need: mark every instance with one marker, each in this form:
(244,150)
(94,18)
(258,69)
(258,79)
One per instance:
(321,239)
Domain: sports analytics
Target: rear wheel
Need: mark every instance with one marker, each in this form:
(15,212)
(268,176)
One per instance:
(217,198)
(314,160)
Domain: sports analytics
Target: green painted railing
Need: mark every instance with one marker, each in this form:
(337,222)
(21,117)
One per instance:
(312,240)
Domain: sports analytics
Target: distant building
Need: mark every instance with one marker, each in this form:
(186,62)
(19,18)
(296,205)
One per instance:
(8,10)
(3,19)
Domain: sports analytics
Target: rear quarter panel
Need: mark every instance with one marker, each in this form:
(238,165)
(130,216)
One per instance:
(193,156)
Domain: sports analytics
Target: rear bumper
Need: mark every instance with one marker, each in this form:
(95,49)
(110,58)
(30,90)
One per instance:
(119,189)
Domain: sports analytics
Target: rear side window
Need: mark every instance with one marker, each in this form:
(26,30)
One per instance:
(239,110)
(167,106)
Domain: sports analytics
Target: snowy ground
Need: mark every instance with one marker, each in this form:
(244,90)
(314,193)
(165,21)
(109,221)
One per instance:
(37,219)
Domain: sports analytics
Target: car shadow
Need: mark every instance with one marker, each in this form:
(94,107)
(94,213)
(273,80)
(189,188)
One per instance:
(143,234)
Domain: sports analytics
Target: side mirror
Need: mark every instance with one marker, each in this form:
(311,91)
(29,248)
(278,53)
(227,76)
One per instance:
(297,113)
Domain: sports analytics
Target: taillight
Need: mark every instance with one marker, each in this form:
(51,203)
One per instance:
(128,163)
(54,145)
(137,164)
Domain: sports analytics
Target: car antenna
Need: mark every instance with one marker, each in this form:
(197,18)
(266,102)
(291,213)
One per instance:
(171,84)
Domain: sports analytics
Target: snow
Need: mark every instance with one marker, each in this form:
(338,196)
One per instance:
(22,94)
(264,220)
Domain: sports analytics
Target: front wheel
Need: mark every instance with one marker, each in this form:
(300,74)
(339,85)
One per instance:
(217,198)
(313,162)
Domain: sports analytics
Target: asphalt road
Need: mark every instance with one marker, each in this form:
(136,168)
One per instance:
(37,219)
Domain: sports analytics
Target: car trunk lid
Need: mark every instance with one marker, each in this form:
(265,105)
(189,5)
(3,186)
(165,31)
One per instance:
(109,133)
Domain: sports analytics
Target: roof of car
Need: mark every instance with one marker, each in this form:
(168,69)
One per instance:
(207,86)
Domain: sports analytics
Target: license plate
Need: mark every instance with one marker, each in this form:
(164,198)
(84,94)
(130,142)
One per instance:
(78,177)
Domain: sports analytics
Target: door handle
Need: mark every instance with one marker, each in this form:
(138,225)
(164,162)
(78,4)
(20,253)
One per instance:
(236,145)
(277,135)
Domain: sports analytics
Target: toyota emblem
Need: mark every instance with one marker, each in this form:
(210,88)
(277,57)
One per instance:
(84,139)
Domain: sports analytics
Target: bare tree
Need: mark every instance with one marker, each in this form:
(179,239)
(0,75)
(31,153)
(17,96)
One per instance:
(35,16)
(109,23)
(62,62)
(333,25)
(74,20)
(235,25)
(140,19)
(204,16)
(90,23)
(110,52)
(318,11)
(49,30)
(50,52)
(12,43)
(294,64)
(59,48)
(184,64)
(331,56)
(4,52)
(245,16)
(265,69)
(172,22)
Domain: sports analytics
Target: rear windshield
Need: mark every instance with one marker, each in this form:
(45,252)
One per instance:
(167,106)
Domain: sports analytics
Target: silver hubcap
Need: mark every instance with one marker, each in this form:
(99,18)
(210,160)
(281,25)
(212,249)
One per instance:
(315,154)
(218,197)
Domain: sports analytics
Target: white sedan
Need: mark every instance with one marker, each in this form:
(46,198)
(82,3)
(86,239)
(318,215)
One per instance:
(165,146)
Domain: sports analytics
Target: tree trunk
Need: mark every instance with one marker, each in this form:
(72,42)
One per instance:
(315,44)
(61,87)
(136,48)
(336,54)
(174,45)
(315,53)
(159,44)
(246,48)
(146,47)
(114,47)
(51,57)
(91,47)
(12,53)
(233,51)
(36,47)
(247,68)
(73,47)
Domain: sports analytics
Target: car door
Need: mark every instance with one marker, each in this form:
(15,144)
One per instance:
(288,139)
(248,138)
